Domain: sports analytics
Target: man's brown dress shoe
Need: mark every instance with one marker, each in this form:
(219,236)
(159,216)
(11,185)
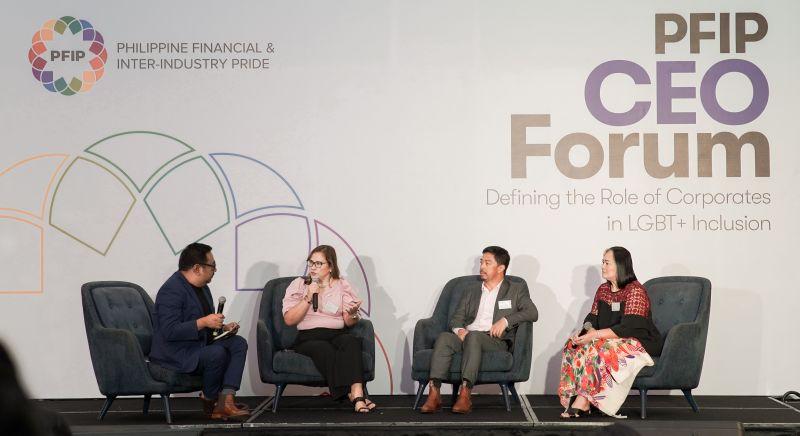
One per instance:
(464,402)
(434,402)
(226,409)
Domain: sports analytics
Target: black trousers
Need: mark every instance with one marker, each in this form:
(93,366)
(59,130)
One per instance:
(337,356)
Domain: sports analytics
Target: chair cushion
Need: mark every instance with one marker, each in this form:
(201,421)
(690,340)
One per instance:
(647,371)
(175,378)
(291,362)
(283,335)
(490,361)
(123,308)
(673,303)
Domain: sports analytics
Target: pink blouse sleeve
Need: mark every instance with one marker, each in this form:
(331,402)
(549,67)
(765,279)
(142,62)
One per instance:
(294,294)
(348,293)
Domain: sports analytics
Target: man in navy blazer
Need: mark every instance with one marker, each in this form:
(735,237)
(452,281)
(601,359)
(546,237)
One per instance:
(183,325)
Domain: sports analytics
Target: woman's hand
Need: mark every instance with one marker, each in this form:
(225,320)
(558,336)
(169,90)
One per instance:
(352,308)
(585,339)
(350,313)
(574,338)
(312,289)
(296,314)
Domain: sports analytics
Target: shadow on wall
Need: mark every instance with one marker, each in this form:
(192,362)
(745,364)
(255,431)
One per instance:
(673,269)
(258,275)
(553,317)
(473,266)
(389,329)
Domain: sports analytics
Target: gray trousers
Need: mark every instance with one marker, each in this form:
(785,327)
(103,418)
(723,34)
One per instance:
(475,343)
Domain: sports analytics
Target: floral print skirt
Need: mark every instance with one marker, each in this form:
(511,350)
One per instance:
(602,371)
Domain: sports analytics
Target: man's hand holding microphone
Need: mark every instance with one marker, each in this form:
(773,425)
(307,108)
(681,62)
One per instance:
(213,321)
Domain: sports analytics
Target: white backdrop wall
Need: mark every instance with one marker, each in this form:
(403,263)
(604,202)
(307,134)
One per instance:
(385,127)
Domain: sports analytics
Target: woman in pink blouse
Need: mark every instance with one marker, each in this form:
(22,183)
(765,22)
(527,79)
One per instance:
(322,332)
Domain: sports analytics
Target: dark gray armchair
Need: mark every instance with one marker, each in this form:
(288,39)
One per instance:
(118,318)
(502,367)
(681,308)
(278,364)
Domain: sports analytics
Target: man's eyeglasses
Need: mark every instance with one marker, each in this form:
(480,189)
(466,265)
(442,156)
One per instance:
(210,265)
(314,264)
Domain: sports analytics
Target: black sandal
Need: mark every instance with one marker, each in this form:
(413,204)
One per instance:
(357,409)
(574,413)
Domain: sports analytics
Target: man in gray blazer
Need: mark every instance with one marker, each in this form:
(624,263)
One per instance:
(485,319)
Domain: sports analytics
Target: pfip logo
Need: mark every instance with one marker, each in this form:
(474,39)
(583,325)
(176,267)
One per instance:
(67,55)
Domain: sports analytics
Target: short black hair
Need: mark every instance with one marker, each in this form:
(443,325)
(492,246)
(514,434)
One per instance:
(500,254)
(194,254)
(624,261)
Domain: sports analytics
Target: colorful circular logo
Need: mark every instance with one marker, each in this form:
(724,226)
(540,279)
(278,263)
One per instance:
(46,60)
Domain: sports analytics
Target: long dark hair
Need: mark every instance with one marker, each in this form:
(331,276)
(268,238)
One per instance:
(625,274)
(330,257)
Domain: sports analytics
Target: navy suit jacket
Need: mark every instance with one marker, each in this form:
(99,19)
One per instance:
(176,340)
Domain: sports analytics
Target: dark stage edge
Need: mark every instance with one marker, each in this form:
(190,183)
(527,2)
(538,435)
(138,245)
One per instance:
(538,414)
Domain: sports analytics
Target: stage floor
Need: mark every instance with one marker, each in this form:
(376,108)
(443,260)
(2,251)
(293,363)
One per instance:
(320,415)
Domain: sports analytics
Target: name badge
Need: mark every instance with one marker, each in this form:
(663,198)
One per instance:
(331,308)
(615,307)
(504,304)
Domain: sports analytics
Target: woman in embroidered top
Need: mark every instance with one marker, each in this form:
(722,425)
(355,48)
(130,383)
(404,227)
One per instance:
(600,362)
(322,331)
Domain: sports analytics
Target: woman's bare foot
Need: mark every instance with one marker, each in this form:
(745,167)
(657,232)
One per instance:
(368,403)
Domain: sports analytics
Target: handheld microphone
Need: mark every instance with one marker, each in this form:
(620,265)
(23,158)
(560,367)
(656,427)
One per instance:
(315,297)
(220,306)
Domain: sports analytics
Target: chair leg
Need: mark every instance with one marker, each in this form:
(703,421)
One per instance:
(107,405)
(420,390)
(643,399)
(146,405)
(167,411)
(278,392)
(456,387)
(514,393)
(688,394)
(506,399)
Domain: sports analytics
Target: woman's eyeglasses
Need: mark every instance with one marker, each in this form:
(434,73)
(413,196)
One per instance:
(314,264)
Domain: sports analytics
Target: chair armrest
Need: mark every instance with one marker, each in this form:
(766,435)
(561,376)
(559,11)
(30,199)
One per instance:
(363,329)
(522,352)
(265,348)
(118,362)
(425,333)
(681,360)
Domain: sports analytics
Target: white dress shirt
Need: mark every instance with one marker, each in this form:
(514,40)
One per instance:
(483,319)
